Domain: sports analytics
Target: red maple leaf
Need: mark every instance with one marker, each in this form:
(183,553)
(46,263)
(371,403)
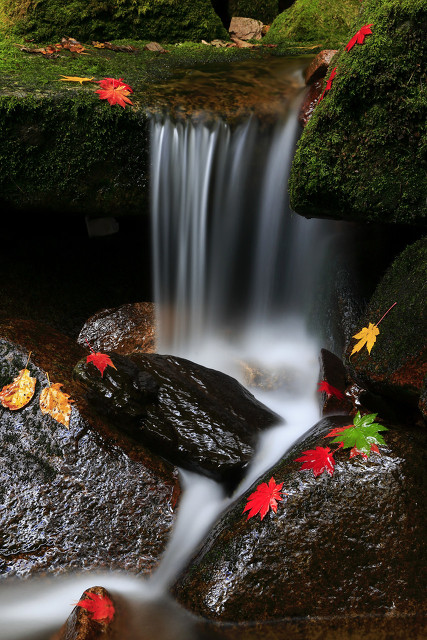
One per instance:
(337,430)
(100,606)
(264,497)
(319,460)
(115,91)
(101,361)
(329,82)
(330,390)
(359,37)
(355,452)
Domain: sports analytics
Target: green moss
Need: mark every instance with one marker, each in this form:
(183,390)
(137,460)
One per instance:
(161,20)
(264,10)
(363,155)
(326,21)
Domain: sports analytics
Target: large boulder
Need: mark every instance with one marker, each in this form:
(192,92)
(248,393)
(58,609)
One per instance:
(325,22)
(83,497)
(362,155)
(161,20)
(195,417)
(396,367)
(348,545)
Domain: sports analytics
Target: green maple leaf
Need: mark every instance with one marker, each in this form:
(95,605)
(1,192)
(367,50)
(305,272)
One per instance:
(362,436)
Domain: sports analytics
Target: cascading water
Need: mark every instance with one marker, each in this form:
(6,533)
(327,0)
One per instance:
(233,269)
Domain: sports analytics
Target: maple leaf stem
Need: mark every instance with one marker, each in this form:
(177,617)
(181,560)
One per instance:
(28,359)
(385,313)
(90,347)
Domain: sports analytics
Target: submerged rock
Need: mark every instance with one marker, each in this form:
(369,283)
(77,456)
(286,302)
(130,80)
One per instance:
(193,416)
(350,544)
(86,497)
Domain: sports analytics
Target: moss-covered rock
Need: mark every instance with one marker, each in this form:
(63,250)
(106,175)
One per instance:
(363,155)
(326,21)
(397,364)
(164,20)
(264,10)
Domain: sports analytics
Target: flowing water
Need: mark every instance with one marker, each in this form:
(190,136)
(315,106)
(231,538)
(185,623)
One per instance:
(233,278)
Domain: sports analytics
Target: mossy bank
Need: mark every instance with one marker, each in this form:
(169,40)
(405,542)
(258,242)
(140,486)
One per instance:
(363,155)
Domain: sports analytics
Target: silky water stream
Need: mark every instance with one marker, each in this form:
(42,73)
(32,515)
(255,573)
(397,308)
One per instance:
(234,275)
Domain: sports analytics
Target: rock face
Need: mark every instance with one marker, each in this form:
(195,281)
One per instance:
(193,416)
(246,28)
(362,156)
(397,364)
(318,67)
(350,543)
(79,498)
(126,329)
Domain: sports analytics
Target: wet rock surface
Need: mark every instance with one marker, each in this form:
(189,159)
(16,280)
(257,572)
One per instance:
(333,371)
(79,498)
(193,416)
(318,67)
(351,543)
(397,365)
(129,328)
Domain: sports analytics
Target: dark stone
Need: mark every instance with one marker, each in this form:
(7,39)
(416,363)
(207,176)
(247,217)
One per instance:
(86,497)
(397,365)
(318,67)
(332,370)
(202,419)
(311,99)
(126,329)
(348,545)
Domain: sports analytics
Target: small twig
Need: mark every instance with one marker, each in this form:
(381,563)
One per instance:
(385,313)
(89,345)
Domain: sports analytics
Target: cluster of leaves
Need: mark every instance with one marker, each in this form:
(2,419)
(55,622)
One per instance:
(113,90)
(53,401)
(362,438)
(99,606)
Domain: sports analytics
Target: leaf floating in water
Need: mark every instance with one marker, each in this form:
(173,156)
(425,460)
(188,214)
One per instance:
(56,403)
(263,498)
(318,460)
(19,393)
(100,606)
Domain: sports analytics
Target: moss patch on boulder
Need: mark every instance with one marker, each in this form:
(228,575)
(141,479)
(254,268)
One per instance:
(326,21)
(264,10)
(397,365)
(165,20)
(363,155)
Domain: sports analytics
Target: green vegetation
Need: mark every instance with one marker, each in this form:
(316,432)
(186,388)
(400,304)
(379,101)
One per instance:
(160,20)
(264,10)
(363,155)
(315,21)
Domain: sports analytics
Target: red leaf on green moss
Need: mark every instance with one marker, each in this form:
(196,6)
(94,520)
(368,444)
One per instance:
(329,82)
(330,390)
(100,606)
(263,498)
(115,91)
(101,361)
(359,37)
(319,460)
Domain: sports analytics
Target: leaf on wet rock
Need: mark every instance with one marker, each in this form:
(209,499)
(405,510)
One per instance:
(100,606)
(19,392)
(263,498)
(56,403)
(367,336)
(101,361)
(318,460)
(330,390)
(361,437)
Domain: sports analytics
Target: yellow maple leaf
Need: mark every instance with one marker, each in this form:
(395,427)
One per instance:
(56,403)
(75,79)
(19,392)
(368,336)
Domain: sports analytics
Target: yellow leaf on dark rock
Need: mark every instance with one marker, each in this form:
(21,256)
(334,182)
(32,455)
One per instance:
(17,394)
(56,403)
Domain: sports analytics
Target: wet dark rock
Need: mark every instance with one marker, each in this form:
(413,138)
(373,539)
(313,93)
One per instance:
(333,371)
(87,497)
(310,101)
(318,67)
(397,365)
(126,329)
(201,419)
(351,544)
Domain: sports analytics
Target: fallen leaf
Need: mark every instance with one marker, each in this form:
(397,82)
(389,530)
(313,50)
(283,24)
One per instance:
(19,392)
(101,361)
(355,452)
(329,82)
(99,606)
(263,498)
(56,403)
(319,460)
(330,390)
(242,44)
(359,37)
(368,336)
(115,91)
(76,79)
(126,48)
(360,436)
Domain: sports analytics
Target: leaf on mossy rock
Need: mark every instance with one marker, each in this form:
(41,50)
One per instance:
(75,79)
(56,403)
(19,392)
(368,336)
